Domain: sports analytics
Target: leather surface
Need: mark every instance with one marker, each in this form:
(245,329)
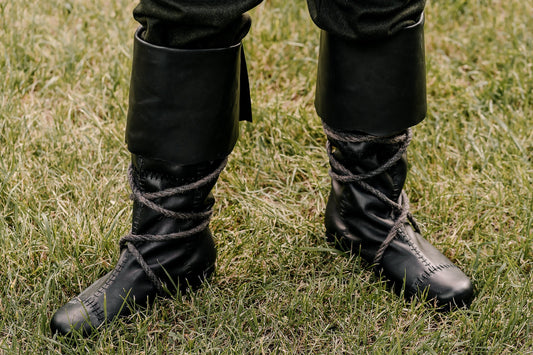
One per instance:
(375,87)
(179,263)
(358,222)
(185,105)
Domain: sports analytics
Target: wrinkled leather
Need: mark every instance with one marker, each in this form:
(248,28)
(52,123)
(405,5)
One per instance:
(358,222)
(185,104)
(375,87)
(179,263)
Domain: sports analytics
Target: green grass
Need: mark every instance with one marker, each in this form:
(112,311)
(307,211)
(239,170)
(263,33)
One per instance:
(64,204)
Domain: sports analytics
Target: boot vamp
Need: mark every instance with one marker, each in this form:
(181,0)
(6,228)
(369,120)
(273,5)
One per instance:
(361,223)
(412,258)
(177,264)
(425,270)
(106,298)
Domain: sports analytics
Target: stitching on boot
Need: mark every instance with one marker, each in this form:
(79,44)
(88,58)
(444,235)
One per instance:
(136,219)
(91,302)
(94,308)
(404,236)
(342,207)
(422,279)
(112,276)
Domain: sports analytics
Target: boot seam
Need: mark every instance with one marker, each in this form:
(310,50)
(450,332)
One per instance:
(95,309)
(91,301)
(422,279)
(342,207)
(415,249)
(136,218)
(111,277)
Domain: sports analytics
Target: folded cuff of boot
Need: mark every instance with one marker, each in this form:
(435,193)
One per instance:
(185,105)
(374,87)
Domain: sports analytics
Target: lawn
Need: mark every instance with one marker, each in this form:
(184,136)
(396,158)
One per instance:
(279,288)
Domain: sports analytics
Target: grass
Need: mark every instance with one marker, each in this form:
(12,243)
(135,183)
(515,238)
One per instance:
(278,288)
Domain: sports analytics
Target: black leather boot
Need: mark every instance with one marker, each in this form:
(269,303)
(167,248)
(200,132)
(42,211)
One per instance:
(170,246)
(368,95)
(185,106)
(368,214)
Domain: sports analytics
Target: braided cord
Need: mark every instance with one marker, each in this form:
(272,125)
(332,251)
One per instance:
(147,199)
(347,176)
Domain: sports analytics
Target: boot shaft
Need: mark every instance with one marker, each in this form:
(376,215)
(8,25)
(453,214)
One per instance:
(186,208)
(364,158)
(368,174)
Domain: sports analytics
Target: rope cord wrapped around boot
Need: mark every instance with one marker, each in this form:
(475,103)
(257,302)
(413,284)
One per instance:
(147,199)
(344,175)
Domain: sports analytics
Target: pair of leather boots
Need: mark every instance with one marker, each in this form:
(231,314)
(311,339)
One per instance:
(185,108)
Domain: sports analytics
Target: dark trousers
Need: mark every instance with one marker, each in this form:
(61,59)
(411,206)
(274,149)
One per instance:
(192,24)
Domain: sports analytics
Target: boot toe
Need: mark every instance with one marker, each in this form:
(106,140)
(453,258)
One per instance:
(451,288)
(72,317)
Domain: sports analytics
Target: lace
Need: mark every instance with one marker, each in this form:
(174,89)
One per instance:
(346,176)
(147,199)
